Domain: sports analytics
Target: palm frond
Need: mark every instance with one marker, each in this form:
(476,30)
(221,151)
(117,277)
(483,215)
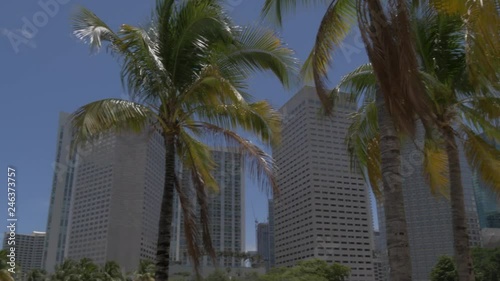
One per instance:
(198,25)
(258,118)
(5,275)
(92,30)
(483,157)
(334,27)
(435,168)
(489,106)
(440,44)
(211,88)
(109,115)
(163,14)
(362,140)
(359,83)
(477,120)
(260,49)
(195,155)
(274,9)
(481,19)
(202,199)
(373,165)
(257,161)
(190,222)
(143,73)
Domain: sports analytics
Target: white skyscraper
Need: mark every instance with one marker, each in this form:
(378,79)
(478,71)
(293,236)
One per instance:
(324,207)
(57,223)
(116,203)
(28,250)
(226,212)
(105,201)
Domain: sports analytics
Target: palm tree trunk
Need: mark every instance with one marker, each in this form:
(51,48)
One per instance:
(394,209)
(463,258)
(165,224)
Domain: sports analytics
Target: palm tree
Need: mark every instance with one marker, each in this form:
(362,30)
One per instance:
(185,73)
(4,267)
(145,272)
(88,270)
(37,275)
(111,272)
(460,108)
(465,108)
(67,271)
(388,42)
(482,37)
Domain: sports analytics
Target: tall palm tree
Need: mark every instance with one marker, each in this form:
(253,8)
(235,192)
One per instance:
(465,105)
(385,30)
(185,73)
(461,109)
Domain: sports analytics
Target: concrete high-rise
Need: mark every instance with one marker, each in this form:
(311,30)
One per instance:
(105,199)
(272,250)
(428,215)
(226,212)
(116,200)
(28,250)
(263,247)
(323,210)
(60,198)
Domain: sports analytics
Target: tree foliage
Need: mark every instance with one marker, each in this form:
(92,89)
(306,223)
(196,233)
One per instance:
(4,267)
(486,266)
(314,270)
(444,270)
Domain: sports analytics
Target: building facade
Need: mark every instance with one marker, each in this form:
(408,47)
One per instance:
(106,195)
(226,213)
(28,250)
(60,197)
(323,210)
(270,218)
(487,202)
(263,247)
(380,259)
(116,200)
(428,214)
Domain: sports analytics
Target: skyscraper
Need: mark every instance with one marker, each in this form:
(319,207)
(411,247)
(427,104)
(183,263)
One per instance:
(28,250)
(270,218)
(323,210)
(58,217)
(488,203)
(226,211)
(428,215)
(263,247)
(116,201)
(105,200)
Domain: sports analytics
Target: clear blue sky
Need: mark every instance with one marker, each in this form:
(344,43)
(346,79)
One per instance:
(53,72)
